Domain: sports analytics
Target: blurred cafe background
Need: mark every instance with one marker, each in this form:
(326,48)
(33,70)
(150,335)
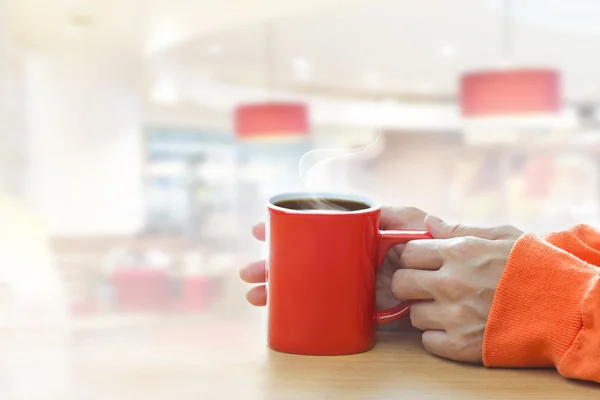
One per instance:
(140,140)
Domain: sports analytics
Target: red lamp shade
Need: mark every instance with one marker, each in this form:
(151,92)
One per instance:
(271,120)
(510,92)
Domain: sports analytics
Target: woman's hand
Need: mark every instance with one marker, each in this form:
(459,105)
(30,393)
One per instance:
(454,276)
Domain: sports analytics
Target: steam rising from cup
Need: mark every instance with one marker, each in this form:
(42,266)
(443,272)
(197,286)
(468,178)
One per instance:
(337,171)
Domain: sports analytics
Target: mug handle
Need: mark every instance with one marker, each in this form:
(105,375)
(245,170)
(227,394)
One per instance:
(389,239)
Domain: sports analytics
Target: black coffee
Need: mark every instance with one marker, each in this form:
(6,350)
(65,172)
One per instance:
(322,204)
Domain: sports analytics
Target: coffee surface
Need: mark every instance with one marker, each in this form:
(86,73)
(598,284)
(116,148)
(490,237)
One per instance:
(322,204)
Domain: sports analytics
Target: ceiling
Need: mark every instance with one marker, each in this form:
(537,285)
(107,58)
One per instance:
(403,47)
(352,48)
(136,26)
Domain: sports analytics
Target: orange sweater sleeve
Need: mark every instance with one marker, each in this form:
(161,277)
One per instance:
(583,241)
(546,310)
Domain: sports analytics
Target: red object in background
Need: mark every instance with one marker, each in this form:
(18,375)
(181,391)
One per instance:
(513,92)
(321,278)
(271,119)
(198,292)
(141,289)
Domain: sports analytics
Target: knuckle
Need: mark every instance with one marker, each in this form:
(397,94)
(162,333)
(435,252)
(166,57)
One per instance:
(508,232)
(454,315)
(451,286)
(458,230)
(462,247)
(456,345)
(397,280)
(466,348)
(503,232)
(408,253)
(414,215)
(405,217)
(414,317)
(495,232)
(415,211)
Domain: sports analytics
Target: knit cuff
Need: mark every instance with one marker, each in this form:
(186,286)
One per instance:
(536,312)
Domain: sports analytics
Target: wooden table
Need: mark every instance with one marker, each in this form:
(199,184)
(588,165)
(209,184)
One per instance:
(400,368)
(217,358)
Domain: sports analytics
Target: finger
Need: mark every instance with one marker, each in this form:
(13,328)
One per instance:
(423,254)
(412,284)
(259,231)
(438,342)
(257,296)
(254,272)
(410,218)
(402,218)
(426,315)
(440,229)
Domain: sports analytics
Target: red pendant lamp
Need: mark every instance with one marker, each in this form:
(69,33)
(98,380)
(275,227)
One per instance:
(511,92)
(271,120)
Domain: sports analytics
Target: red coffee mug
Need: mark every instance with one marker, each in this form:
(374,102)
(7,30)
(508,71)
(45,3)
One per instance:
(321,276)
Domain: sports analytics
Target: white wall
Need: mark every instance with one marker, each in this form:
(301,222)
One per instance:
(188,115)
(85,144)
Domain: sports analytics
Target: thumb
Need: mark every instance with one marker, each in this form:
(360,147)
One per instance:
(440,229)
